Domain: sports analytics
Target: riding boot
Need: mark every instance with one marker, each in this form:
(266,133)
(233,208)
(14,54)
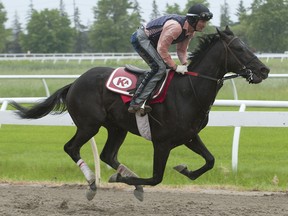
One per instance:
(137,103)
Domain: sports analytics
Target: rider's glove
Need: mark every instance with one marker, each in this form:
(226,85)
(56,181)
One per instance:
(181,69)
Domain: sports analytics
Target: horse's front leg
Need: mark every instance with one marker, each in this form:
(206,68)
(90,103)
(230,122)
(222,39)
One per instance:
(198,147)
(161,154)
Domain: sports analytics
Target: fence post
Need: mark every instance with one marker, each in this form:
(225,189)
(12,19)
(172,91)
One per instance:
(4,107)
(235,145)
(46,88)
(96,161)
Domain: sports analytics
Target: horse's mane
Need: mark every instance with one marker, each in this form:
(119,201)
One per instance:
(205,42)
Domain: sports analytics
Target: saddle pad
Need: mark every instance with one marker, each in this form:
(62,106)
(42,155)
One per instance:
(123,82)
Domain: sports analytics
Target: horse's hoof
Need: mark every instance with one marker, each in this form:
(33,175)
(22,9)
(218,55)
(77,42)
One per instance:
(90,193)
(180,167)
(139,193)
(113,178)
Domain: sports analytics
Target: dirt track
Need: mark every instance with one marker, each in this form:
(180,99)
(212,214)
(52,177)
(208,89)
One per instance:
(16,200)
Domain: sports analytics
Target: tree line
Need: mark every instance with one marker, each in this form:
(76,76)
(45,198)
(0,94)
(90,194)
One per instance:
(263,26)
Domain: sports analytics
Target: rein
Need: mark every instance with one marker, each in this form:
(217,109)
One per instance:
(219,81)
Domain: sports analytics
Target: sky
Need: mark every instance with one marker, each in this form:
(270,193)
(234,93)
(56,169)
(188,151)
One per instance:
(86,14)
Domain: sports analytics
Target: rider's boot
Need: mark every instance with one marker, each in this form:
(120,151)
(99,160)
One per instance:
(136,103)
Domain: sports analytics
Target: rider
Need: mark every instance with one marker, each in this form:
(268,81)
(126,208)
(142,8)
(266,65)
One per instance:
(152,42)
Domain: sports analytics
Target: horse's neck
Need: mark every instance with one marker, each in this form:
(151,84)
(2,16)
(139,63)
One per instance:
(211,65)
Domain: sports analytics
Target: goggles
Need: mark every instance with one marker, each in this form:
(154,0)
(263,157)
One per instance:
(202,16)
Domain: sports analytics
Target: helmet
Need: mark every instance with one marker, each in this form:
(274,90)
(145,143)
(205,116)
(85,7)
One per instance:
(198,12)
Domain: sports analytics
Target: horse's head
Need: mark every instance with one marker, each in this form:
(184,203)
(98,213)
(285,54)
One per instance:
(240,59)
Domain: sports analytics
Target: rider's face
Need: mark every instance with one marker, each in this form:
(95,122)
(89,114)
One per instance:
(201,24)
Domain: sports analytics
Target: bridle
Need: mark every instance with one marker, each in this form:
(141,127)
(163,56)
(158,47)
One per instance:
(245,72)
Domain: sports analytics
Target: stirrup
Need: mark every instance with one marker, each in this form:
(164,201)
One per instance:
(144,109)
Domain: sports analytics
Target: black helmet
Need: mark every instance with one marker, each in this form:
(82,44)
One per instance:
(198,12)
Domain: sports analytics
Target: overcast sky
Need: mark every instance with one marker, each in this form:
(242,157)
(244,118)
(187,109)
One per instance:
(85,7)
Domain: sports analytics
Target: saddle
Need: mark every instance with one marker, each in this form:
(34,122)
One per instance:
(125,81)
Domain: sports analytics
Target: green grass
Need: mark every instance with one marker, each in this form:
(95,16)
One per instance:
(31,153)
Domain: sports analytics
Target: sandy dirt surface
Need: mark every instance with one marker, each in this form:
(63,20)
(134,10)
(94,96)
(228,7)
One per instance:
(49,200)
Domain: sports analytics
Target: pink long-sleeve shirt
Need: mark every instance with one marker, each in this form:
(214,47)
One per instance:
(170,32)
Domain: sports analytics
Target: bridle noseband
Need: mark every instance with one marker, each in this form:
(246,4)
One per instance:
(246,72)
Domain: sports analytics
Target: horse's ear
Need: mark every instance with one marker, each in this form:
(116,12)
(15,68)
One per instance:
(218,30)
(221,33)
(228,31)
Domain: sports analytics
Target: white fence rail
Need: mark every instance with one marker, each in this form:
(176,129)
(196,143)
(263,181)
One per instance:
(102,56)
(43,78)
(236,119)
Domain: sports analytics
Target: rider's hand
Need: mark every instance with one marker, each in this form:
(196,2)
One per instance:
(181,69)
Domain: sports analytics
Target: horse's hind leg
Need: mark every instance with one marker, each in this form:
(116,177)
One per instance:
(72,148)
(198,147)
(115,139)
(109,154)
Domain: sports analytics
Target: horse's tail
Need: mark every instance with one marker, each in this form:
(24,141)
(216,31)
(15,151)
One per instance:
(56,102)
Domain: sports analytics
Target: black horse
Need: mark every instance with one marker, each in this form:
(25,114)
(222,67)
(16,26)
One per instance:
(176,121)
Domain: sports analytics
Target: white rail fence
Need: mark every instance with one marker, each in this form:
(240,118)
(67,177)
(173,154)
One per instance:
(43,78)
(236,119)
(67,57)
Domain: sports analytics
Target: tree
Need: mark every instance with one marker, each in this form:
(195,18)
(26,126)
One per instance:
(225,15)
(268,25)
(114,23)
(81,37)
(3,19)
(173,9)
(137,11)
(193,2)
(30,10)
(14,41)
(240,27)
(48,32)
(241,11)
(62,8)
(155,12)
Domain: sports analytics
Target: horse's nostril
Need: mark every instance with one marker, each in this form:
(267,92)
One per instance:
(264,72)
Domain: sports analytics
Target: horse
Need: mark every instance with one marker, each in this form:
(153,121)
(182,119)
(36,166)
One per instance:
(174,122)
